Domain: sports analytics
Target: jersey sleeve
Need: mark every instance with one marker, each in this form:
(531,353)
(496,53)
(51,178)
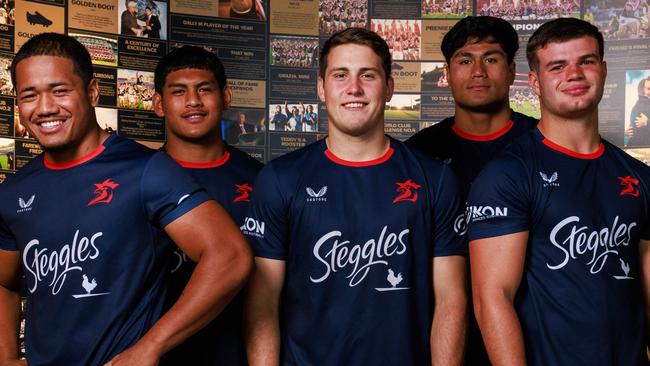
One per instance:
(7,239)
(447,208)
(168,192)
(267,224)
(498,200)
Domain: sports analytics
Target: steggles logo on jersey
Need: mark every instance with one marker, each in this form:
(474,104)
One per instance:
(252,227)
(596,245)
(25,206)
(550,182)
(244,191)
(316,197)
(406,194)
(630,186)
(89,286)
(103,192)
(337,255)
(479,213)
(43,263)
(626,270)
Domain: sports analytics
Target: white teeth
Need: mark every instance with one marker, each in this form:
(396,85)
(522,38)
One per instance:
(51,124)
(354,105)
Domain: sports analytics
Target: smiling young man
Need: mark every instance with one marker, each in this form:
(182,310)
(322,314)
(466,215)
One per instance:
(559,226)
(91,227)
(353,235)
(480,54)
(191,94)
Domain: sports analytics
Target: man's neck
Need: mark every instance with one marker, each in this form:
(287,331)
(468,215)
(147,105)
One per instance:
(576,134)
(357,148)
(195,152)
(482,123)
(92,141)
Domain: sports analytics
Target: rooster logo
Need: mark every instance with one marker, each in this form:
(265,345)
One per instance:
(244,191)
(626,269)
(89,286)
(406,194)
(394,281)
(630,186)
(104,192)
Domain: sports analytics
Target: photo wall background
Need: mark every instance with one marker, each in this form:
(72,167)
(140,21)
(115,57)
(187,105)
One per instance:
(270,51)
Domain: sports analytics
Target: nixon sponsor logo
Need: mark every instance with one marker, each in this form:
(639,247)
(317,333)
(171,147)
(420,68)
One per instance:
(597,245)
(478,213)
(253,227)
(42,263)
(336,254)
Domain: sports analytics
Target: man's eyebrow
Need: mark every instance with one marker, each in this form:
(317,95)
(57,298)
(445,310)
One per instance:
(50,86)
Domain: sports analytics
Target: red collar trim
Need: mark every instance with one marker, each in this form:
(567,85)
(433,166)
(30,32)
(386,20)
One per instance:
(490,137)
(358,164)
(210,164)
(55,166)
(564,150)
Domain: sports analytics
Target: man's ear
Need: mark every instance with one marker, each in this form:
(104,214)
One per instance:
(157,105)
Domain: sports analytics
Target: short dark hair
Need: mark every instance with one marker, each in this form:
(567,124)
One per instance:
(189,57)
(359,36)
(561,30)
(59,45)
(481,28)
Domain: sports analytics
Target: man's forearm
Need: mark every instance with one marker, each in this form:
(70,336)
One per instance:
(9,325)
(501,331)
(448,331)
(205,295)
(263,341)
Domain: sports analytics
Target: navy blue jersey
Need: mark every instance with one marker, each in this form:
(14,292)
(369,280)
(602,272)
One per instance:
(229,181)
(93,249)
(358,240)
(580,298)
(467,154)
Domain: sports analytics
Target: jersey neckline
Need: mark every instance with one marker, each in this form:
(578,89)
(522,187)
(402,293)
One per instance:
(71,164)
(359,164)
(561,149)
(484,138)
(209,164)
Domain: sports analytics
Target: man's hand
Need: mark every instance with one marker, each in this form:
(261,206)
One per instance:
(14,363)
(641,120)
(629,132)
(138,355)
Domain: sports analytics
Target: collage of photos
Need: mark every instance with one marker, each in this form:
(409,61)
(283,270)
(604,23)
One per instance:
(403,107)
(293,117)
(135,89)
(434,76)
(6,87)
(7,12)
(103,50)
(7,153)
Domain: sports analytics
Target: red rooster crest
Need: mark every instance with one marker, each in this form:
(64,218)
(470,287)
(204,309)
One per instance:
(103,192)
(244,191)
(630,186)
(406,194)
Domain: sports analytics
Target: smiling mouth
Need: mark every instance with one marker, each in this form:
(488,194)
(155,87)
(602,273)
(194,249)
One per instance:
(194,115)
(51,124)
(576,90)
(354,105)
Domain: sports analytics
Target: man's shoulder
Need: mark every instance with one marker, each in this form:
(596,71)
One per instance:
(432,137)
(523,122)
(242,160)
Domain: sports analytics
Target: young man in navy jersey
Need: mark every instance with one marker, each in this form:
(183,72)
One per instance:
(353,235)
(191,93)
(89,226)
(480,54)
(559,223)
